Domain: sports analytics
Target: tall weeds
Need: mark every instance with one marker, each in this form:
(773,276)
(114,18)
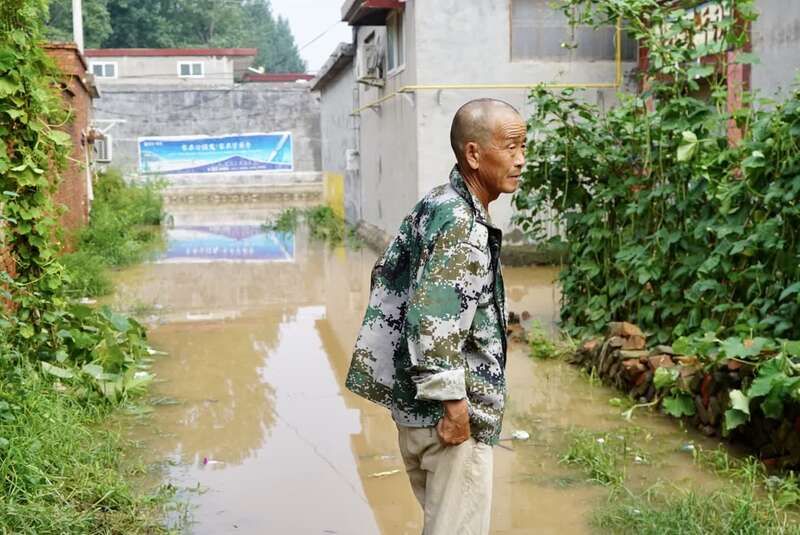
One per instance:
(123,230)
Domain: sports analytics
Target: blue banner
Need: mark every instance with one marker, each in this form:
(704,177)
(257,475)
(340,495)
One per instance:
(174,155)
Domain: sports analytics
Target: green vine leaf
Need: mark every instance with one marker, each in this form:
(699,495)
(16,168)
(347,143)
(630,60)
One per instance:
(734,418)
(679,405)
(665,377)
(740,402)
(56,371)
(687,149)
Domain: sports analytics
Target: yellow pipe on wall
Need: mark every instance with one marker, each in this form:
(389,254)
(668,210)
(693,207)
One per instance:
(553,85)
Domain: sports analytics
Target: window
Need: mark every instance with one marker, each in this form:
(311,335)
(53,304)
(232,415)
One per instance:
(539,30)
(104,69)
(102,149)
(395,43)
(190,69)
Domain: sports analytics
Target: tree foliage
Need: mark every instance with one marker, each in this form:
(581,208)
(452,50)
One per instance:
(183,23)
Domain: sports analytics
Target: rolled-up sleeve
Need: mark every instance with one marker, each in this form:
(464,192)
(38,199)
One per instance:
(440,314)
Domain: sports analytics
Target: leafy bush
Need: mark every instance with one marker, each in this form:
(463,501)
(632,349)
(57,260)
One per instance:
(123,229)
(59,362)
(323,224)
(671,223)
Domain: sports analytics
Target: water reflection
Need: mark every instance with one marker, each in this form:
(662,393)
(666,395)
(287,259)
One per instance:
(258,351)
(214,243)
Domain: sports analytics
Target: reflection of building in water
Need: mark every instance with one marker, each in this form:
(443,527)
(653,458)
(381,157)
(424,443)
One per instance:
(207,243)
(347,276)
(225,409)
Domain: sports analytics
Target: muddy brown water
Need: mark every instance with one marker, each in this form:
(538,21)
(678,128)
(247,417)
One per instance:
(252,421)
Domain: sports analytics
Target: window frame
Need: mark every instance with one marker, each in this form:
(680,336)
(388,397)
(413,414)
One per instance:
(108,141)
(103,65)
(190,64)
(546,59)
(393,20)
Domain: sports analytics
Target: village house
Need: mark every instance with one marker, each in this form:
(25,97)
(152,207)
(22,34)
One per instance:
(205,121)
(386,105)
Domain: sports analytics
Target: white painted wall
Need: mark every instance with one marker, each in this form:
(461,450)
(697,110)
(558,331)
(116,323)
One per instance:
(150,71)
(776,41)
(388,141)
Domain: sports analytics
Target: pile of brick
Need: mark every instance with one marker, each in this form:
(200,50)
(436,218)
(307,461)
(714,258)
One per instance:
(622,360)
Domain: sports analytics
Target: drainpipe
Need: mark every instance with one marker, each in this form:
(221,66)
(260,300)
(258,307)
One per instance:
(77,24)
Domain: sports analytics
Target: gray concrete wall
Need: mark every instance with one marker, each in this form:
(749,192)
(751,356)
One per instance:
(150,71)
(339,126)
(244,108)
(776,41)
(388,139)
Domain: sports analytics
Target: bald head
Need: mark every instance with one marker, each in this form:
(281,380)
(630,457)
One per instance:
(475,122)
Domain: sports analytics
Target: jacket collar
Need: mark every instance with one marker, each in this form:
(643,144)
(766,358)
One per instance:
(460,186)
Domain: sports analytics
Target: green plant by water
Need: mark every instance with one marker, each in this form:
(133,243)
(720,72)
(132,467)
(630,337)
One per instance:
(63,366)
(671,222)
(753,501)
(323,224)
(123,229)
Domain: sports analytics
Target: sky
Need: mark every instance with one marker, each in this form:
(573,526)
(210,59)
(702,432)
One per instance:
(310,18)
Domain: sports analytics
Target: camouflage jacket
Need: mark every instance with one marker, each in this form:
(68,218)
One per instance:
(435,327)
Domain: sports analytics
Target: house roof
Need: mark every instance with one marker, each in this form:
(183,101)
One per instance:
(168,52)
(369,12)
(338,60)
(276,77)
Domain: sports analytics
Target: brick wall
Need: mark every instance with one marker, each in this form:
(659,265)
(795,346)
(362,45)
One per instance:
(77,91)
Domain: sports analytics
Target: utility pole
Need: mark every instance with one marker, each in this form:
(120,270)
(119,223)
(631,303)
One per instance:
(77,24)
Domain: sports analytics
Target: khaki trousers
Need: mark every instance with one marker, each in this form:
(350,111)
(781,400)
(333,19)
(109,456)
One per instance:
(453,484)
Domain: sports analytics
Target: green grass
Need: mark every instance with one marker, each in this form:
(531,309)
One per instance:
(751,501)
(544,346)
(123,229)
(736,510)
(60,472)
(602,456)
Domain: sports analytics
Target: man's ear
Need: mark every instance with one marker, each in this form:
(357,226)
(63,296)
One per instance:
(472,154)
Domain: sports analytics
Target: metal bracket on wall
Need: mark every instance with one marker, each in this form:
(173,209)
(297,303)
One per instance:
(110,123)
(411,98)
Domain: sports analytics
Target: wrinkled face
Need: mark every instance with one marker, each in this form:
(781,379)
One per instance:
(503,157)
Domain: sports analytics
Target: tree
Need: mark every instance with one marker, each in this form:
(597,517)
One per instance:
(96,22)
(183,23)
(140,24)
(284,56)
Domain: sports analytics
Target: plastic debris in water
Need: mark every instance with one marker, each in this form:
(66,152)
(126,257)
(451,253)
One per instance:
(519,434)
(687,448)
(384,474)
(206,461)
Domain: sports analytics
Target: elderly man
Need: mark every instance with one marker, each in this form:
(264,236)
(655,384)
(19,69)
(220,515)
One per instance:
(432,347)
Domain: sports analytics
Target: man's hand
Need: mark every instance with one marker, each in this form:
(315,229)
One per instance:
(453,428)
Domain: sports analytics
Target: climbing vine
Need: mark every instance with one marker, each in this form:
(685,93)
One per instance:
(39,322)
(680,213)
(670,223)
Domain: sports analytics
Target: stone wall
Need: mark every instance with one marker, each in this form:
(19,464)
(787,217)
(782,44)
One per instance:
(621,360)
(243,108)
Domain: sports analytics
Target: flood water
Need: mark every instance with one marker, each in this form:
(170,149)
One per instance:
(252,420)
